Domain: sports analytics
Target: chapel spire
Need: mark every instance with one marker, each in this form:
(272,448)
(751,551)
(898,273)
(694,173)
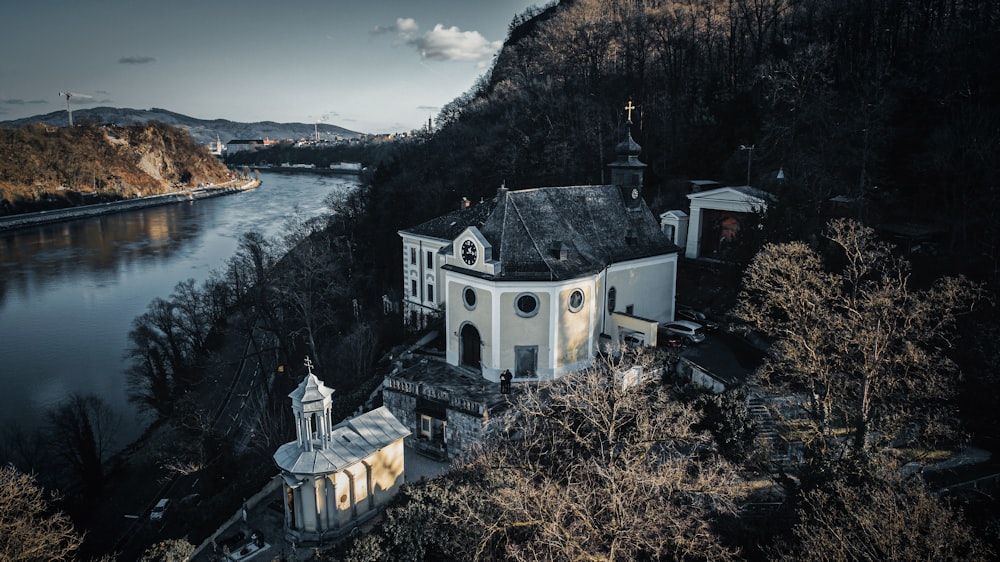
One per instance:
(312,404)
(627,170)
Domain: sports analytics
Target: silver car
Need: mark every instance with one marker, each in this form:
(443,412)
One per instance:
(691,331)
(159,510)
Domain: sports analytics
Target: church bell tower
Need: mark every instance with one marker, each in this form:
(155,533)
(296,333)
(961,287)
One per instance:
(627,170)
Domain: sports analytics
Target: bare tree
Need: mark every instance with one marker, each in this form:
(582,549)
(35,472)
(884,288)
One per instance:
(861,346)
(309,282)
(357,353)
(880,520)
(589,468)
(83,429)
(29,529)
(170,550)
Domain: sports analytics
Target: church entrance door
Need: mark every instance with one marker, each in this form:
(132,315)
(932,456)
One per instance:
(470,347)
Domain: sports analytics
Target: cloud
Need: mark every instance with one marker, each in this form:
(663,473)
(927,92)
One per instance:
(403,26)
(18,101)
(452,44)
(428,107)
(136,59)
(443,43)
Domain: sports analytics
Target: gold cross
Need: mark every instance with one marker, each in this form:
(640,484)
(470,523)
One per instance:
(629,107)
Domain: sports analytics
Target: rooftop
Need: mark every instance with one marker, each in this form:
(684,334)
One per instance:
(431,377)
(352,440)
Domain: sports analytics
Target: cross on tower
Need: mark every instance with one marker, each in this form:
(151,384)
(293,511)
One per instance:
(309,364)
(629,107)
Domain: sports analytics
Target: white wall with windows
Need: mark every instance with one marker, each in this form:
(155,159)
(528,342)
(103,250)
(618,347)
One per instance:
(422,276)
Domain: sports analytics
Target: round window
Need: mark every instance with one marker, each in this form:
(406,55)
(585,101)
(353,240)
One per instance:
(576,300)
(526,305)
(469,298)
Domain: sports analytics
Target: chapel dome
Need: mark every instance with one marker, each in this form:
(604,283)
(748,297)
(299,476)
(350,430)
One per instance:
(628,147)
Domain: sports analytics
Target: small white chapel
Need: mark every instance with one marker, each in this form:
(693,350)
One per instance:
(336,476)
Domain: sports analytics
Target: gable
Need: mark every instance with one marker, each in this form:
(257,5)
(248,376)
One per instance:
(472,251)
(740,199)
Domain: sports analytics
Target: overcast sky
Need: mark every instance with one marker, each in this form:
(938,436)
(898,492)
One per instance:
(367,65)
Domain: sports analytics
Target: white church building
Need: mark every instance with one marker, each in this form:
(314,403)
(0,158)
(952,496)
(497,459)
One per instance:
(537,282)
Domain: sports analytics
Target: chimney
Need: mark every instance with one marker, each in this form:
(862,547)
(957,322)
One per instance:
(502,193)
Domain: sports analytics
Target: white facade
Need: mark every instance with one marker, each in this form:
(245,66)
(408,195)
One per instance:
(675,225)
(571,318)
(422,278)
(725,202)
(336,475)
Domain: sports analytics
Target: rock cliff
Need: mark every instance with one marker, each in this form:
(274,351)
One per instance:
(44,167)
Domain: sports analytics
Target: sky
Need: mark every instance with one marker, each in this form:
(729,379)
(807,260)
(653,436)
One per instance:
(372,66)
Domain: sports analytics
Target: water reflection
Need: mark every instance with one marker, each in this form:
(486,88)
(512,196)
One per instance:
(69,292)
(97,246)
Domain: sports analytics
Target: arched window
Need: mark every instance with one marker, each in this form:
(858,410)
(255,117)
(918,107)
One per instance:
(612,297)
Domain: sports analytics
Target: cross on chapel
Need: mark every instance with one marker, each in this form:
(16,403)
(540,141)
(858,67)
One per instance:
(629,107)
(309,364)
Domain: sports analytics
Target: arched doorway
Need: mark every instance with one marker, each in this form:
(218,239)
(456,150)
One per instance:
(470,347)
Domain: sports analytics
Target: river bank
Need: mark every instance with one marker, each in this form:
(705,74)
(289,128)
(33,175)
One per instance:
(84,211)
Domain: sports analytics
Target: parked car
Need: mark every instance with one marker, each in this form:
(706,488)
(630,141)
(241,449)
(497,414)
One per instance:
(633,341)
(159,510)
(696,316)
(691,331)
(668,339)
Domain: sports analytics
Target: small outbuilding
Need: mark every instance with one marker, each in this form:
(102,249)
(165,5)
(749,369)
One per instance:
(717,215)
(336,476)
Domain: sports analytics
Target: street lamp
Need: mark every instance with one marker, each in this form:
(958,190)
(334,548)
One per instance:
(749,150)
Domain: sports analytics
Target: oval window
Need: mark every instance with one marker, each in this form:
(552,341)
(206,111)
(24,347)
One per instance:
(576,300)
(526,305)
(469,298)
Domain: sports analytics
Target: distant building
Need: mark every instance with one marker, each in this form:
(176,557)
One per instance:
(336,476)
(217,147)
(242,145)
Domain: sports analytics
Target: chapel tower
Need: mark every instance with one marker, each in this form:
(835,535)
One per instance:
(627,170)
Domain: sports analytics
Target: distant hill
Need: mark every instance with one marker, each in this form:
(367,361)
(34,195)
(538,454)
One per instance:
(203,131)
(46,167)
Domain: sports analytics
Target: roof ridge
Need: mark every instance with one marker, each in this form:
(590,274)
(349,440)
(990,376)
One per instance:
(534,243)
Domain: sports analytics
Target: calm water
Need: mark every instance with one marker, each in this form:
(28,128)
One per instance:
(69,292)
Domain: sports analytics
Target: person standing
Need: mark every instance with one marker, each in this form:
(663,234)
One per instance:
(505,378)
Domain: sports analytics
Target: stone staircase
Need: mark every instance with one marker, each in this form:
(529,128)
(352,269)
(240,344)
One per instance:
(767,432)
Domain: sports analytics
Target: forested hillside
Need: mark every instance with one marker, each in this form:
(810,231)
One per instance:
(43,167)
(892,104)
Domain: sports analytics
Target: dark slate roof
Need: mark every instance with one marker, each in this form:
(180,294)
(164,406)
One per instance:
(447,227)
(590,224)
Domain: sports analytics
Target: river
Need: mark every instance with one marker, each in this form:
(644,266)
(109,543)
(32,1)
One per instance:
(69,291)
